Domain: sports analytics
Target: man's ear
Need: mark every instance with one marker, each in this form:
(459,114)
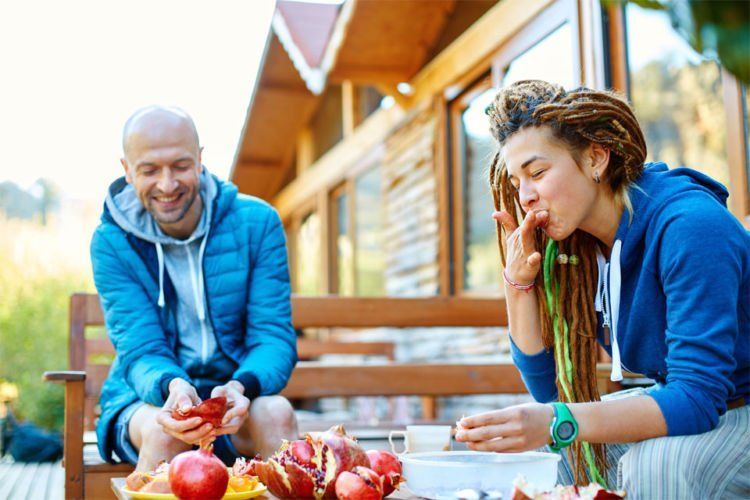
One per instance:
(124,164)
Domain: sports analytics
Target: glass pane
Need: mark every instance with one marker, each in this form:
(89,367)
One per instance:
(551,59)
(308,256)
(481,257)
(344,249)
(677,95)
(369,237)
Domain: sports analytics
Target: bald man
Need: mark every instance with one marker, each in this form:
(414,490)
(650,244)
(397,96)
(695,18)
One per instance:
(194,283)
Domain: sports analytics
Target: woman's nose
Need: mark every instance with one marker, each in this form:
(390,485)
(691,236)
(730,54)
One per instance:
(527,196)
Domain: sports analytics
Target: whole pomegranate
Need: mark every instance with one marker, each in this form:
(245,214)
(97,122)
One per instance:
(198,475)
(360,484)
(388,467)
(309,468)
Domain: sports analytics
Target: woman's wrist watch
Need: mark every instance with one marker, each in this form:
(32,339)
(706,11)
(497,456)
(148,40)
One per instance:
(564,428)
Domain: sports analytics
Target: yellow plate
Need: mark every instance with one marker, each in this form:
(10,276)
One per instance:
(241,495)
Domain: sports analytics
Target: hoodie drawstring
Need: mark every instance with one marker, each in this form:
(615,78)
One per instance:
(160,259)
(608,301)
(201,291)
(615,281)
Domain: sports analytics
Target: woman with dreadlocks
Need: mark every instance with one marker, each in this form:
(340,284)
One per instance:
(602,249)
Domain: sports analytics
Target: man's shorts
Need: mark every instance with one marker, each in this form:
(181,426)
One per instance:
(223,447)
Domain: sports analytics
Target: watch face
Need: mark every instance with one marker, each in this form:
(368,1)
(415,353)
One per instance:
(565,430)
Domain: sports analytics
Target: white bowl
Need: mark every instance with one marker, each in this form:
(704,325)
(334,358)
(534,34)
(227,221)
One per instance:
(443,473)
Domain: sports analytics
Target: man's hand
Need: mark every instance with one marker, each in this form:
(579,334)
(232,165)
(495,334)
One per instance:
(517,428)
(238,406)
(183,396)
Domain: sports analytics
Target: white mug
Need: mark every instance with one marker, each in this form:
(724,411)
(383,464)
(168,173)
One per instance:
(418,438)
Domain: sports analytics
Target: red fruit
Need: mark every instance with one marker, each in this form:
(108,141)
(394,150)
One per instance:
(388,467)
(361,484)
(302,451)
(198,475)
(338,453)
(309,469)
(242,467)
(211,410)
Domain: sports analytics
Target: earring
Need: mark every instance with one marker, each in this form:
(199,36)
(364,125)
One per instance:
(596,177)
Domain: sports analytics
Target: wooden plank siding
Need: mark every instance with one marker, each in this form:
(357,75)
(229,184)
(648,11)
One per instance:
(411,234)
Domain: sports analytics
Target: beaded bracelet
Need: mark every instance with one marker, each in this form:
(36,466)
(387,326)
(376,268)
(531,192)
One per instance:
(517,286)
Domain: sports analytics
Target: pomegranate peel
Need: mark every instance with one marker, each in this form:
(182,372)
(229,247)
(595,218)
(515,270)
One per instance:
(360,484)
(211,410)
(387,465)
(309,468)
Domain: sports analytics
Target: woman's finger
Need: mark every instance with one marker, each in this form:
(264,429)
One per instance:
(488,432)
(528,226)
(509,444)
(534,259)
(482,419)
(506,220)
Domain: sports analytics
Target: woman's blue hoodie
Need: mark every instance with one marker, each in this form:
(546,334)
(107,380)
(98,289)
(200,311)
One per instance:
(684,300)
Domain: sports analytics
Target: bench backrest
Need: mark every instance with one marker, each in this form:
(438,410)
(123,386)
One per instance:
(311,380)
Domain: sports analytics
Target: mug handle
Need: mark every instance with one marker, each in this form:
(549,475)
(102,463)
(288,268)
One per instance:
(406,441)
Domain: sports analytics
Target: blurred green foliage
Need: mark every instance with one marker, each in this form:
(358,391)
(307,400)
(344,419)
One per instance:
(33,339)
(35,285)
(714,28)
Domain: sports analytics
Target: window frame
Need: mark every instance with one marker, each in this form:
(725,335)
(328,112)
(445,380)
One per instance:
(555,16)
(736,142)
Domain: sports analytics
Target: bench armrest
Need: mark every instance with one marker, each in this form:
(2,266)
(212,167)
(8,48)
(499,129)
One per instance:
(64,376)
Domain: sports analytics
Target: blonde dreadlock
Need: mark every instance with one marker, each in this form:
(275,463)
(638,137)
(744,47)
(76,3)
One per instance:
(578,118)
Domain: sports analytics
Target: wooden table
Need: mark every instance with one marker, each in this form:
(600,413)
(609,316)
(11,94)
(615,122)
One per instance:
(119,482)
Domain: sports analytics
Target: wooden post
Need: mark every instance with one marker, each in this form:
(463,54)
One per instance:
(305,150)
(350,107)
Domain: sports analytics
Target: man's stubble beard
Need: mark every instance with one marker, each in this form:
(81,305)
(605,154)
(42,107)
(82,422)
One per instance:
(181,214)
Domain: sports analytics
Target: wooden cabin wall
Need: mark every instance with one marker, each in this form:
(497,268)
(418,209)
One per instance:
(410,197)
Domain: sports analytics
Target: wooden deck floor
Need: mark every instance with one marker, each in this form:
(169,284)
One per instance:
(19,481)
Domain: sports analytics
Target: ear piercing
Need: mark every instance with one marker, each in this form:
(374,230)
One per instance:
(597,179)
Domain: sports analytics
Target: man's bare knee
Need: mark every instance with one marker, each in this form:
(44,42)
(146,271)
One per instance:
(273,410)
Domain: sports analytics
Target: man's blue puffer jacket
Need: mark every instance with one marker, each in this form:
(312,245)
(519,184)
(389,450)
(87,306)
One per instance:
(248,295)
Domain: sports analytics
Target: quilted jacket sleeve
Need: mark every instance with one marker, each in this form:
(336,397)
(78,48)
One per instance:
(132,321)
(270,338)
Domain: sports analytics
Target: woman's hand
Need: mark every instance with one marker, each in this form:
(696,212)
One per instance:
(238,406)
(183,396)
(523,260)
(517,428)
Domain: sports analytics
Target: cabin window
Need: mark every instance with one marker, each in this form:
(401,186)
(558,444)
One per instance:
(677,95)
(369,254)
(307,255)
(481,260)
(343,248)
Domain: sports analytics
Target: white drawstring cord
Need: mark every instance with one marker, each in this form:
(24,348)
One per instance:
(160,260)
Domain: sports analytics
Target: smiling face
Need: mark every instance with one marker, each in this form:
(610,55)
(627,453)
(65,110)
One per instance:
(163,164)
(549,177)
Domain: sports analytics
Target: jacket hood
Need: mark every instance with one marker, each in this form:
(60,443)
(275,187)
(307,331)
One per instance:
(656,187)
(128,212)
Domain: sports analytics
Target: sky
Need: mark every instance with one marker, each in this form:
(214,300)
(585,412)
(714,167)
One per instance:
(71,72)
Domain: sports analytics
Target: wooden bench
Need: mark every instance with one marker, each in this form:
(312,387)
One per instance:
(87,476)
